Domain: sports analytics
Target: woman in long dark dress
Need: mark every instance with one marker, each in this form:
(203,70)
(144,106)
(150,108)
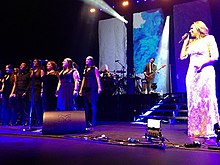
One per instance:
(68,86)
(34,92)
(7,90)
(50,81)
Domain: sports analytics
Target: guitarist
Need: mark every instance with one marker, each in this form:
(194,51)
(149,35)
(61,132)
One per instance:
(149,73)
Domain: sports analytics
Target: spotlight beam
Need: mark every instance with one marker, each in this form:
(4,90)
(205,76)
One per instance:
(106,8)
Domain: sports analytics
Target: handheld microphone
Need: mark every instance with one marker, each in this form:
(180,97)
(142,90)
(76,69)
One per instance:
(184,37)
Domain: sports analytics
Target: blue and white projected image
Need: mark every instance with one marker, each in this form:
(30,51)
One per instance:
(151,39)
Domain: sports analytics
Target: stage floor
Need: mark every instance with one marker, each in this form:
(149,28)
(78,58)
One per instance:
(109,143)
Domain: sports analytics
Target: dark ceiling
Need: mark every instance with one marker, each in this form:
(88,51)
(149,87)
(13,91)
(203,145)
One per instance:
(54,29)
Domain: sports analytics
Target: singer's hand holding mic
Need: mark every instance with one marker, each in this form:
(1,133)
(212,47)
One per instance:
(185,36)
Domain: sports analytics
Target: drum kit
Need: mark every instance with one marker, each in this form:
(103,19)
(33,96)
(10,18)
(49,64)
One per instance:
(114,82)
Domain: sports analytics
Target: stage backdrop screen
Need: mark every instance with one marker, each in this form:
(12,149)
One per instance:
(113,45)
(151,39)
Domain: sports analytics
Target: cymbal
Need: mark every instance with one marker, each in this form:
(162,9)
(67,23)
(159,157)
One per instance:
(120,71)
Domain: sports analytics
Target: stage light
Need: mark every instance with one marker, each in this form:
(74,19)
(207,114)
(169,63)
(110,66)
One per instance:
(125,3)
(92,10)
(195,144)
(103,138)
(106,8)
(132,140)
(153,129)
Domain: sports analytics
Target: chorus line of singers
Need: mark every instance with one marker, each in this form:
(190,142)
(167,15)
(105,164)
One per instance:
(29,92)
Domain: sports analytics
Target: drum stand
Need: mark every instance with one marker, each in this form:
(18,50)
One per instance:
(120,87)
(120,82)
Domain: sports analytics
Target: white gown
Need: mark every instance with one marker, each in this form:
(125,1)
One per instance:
(201,88)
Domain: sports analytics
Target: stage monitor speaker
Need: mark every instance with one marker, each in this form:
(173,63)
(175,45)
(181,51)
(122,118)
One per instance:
(63,122)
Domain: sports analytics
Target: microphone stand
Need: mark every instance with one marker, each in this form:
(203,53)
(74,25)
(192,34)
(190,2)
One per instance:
(122,90)
(123,68)
(119,89)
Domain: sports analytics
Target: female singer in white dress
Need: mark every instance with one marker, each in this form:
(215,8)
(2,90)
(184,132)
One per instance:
(200,80)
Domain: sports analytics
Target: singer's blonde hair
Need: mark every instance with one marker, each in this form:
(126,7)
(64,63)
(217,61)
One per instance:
(201,28)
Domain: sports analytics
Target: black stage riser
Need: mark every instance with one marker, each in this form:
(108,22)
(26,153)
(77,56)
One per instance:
(123,107)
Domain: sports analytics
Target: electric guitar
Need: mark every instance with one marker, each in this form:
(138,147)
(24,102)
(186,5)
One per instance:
(150,75)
